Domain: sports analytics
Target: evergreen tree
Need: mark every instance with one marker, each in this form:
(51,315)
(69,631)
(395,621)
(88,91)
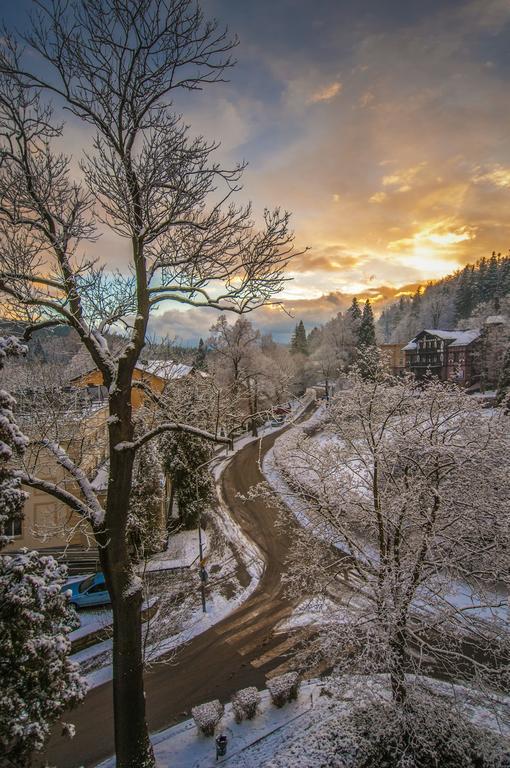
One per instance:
(416,303)
(200,355)
(299,343)
(465,296)
(145,528)
(184,457)
(491,288)
(367,336)
(354,310)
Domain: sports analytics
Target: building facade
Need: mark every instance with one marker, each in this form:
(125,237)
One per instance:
(472,358)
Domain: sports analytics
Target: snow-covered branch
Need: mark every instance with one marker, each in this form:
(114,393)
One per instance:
(171,427)
(96,512)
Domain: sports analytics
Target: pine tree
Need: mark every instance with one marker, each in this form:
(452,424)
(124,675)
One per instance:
(185,460)
(367,336)
(465,297)
(416,303)
(299,343)
(491,288)
(200,355)
(354,310)
(145,528)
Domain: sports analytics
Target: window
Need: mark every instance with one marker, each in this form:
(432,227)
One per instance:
(98,588)
(86,584)
(13,528)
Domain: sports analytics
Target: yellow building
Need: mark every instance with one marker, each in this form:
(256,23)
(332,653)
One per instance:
(83,433)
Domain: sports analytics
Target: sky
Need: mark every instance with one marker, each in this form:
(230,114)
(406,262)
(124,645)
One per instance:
(382,125)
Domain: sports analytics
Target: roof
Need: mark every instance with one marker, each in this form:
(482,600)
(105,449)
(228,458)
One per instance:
(496,320)
(165,369)
(458,338)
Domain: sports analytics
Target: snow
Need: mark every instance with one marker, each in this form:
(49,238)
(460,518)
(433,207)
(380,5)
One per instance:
(182,746)
(91,621)
(459,338)
(283,688)
(287,736)
(208,715)
(182,551)
(460,597)
(165,369)
(100,481)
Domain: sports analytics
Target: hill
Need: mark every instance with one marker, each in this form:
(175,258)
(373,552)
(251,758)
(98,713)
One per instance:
(461,300)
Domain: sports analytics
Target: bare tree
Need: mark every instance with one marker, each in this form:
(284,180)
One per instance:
(114,66)
(406,489)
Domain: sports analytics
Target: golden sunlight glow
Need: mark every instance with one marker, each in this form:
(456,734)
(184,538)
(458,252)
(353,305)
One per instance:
(326,93)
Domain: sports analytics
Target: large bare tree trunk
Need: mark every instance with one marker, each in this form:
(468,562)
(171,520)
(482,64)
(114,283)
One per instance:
(132,743)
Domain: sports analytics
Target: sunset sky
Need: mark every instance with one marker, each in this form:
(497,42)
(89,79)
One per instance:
(382,125)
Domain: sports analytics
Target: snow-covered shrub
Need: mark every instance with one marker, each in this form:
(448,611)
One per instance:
(245,703)
(430,735)
(284,688)
(207,716)
(37,680)
(12,444)
(424,733)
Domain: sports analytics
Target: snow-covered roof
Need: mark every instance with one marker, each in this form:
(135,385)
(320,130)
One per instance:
(496,320)
(165,369)
(458,338)
(465,337)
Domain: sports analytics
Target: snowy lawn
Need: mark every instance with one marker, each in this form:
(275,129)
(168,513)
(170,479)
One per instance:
(182,552)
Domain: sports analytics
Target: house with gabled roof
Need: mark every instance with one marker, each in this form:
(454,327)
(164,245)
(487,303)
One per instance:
(448,354)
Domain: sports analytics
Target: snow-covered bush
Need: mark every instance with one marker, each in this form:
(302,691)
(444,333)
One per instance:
(424,733)
(284,688)
(37,680)
(431,733)
(245,703)
(12,444)
(207,716)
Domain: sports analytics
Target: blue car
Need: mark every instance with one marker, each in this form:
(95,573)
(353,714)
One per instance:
(87,592)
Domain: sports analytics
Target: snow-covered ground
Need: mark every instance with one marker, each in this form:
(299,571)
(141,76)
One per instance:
(294,735)
(182,552)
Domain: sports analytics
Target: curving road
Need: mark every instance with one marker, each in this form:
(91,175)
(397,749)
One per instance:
(238,651)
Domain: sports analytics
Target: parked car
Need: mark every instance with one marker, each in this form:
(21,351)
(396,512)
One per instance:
(277,421)
(87,592)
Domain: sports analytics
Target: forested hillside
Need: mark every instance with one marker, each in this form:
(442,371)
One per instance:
(461,300)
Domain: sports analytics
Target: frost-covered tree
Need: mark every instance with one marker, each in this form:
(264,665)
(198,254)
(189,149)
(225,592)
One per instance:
(407,490)
(504,380)
(37,680)
(13,443)
(115,65)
